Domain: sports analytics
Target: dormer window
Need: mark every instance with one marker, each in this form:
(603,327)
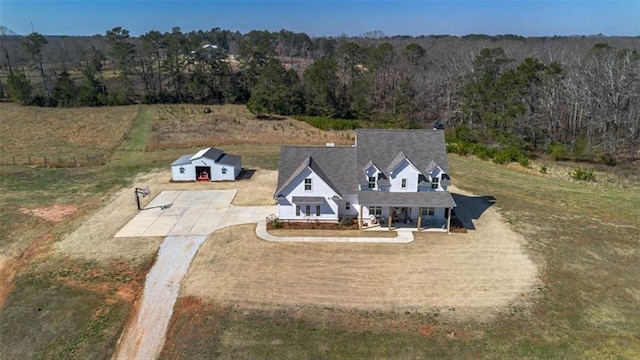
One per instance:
(372,182)
(307,184)
(435,183)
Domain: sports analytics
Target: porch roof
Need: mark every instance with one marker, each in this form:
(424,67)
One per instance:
(421,199)
(311,200)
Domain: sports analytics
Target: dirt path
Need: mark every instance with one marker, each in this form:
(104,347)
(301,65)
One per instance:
(145,338)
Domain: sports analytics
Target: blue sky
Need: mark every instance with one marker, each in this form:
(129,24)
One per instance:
(327,17)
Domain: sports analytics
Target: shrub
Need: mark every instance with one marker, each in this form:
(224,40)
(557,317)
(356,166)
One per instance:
(275,221)
(346,220)
(544,170)
(559,152)
(608,159)
(583,174)
(523,160)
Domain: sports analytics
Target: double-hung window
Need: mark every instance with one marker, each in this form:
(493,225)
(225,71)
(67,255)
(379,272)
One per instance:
(428,211)
(307,210)
(435,182)
(372,182)
(307,184)
(317,210)
(404,184)
(375,210)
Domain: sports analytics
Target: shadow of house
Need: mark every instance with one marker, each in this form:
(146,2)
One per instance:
(471,208)
(246,174)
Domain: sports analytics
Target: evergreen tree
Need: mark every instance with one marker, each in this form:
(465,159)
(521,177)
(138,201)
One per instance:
(65,91)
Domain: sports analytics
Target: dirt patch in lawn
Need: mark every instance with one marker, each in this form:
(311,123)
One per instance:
(477,274)
(10,267)
(53,213)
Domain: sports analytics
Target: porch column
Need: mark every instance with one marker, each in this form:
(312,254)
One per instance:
(390,217)
(449,220)
(360,222)
(419,218)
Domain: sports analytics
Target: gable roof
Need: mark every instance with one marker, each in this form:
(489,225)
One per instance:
(335,165)
(228,159)
(210,153)
(182,160)
(419,146)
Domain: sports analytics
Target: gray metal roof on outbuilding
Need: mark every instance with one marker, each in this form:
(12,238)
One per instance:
(182,160)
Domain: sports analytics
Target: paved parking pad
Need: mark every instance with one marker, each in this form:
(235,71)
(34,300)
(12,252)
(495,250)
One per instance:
(191,213)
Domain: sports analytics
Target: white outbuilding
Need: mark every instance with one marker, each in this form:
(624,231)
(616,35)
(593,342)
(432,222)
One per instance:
(208,164)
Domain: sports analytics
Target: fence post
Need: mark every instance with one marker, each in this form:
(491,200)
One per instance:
(45,161)
(29,159)
(14,160)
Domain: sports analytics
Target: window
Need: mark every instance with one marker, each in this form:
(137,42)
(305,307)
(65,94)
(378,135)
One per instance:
(224,170)
(317,210)
(404,183)
(182,170)
(308,210)
(347,206)
(428,211)
(375,210)
(435,183)
(307,184)
(372,182)
(297,210)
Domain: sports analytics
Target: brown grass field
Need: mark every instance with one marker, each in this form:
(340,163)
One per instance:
(187,126)
(66,133)
(246,298)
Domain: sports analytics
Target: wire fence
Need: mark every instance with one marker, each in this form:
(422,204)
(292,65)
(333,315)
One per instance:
(61,160)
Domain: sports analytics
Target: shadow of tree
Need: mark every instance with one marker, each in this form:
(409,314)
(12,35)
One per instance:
(471,208)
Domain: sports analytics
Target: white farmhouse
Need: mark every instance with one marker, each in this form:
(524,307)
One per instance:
(397,177)
(208,164)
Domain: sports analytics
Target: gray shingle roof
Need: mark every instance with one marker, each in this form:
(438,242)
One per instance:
(343,167)
(419,146)
(311,200)
(423,199)
(335,165)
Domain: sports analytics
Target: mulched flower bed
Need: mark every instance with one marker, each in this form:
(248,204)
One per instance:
(312,225)
(457,226)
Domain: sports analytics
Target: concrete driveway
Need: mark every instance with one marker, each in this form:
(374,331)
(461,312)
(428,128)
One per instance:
(192,216)
(191,213)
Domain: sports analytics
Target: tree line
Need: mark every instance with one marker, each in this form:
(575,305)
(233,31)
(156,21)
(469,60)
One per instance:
(565,95)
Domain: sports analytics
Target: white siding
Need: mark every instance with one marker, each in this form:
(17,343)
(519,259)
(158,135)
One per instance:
(404,171)
(329,208)
(371,172)
(217,175)
(437,173)
(188,175)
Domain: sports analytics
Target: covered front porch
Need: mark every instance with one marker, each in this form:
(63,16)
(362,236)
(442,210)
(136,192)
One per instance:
(422,211)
